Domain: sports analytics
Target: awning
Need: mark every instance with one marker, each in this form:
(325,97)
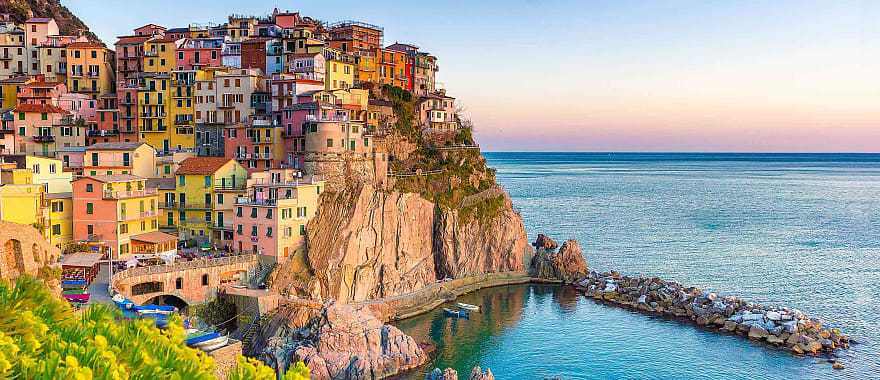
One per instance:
(154,237)
(81,259)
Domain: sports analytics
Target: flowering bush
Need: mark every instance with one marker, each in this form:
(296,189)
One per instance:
(41,337)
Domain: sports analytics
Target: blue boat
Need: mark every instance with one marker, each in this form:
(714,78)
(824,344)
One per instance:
(74,284)
(456,313)
(201,339)
(154,309)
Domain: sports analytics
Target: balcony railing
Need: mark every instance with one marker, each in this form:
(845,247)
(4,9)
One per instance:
(137,215)
(152,114)
(193,206)
(102,133)
(123,194)
(245,201)
(44,139)
(229,185)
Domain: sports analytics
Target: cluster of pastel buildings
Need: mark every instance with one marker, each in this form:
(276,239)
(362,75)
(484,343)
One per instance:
(224,135)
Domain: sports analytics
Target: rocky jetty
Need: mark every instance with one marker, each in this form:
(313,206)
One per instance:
(451,374)
(338,341)
(783,327)
(786,328)
(567,264)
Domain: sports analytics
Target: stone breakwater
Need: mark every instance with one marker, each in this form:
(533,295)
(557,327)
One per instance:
(786,328)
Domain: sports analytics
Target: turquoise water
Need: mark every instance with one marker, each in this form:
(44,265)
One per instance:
(799,230)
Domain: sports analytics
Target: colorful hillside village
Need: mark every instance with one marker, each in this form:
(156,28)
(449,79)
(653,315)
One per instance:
(207,140)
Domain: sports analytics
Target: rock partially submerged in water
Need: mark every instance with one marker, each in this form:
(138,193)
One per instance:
(567,265)
(344,342)
(451,374)
(786,328)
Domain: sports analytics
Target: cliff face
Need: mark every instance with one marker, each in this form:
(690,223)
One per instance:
(469,242)
(68,23)
(365,244)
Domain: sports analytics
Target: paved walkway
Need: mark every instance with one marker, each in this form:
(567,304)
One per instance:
(98,288)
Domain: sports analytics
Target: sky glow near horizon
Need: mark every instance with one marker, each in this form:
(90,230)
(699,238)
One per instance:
(744,76)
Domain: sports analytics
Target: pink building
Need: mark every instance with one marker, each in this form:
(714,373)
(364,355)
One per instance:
(198,53)
(271,220)
(41,92)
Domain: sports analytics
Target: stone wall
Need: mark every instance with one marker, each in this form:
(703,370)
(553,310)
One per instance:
(23,250)
(225,358)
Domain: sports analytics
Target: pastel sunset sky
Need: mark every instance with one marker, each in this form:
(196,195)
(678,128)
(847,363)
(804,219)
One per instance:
(747,76)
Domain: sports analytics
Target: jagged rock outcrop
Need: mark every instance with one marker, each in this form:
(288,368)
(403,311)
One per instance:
(567,265)
(474,243)
(341,342)
(451,374)
(68,23)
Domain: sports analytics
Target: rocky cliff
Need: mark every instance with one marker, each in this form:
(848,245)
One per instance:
(338,341)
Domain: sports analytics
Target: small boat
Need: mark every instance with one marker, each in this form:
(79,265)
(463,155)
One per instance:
(82,298)
(75,291)
(154,309)
(213,344)
(468,306)
(194,341)
(456,313)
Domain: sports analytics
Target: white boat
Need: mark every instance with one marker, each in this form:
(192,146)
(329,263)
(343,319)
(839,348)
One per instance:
(468,306)
(154,311)
(213,344)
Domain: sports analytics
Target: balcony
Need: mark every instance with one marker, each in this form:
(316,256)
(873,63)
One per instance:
(44,139)
(193,206)
(229,185)
(261,140)
(6,57)
(60,70)
(224,226)
(245,201)
(125,194)
(123,217)
(168,205)
(152,115)
(183,120)
(102,133)
(151,53)
(263,123)
(154,129)
(127,102)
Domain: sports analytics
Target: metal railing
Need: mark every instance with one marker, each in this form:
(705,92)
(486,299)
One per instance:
(186,265)
(122,194)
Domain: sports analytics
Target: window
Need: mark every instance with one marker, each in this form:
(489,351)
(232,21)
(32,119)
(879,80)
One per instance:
(205,279)
(178,283)
(181,180)
(123,228)
(253,230)
(238,212)
(238,229)
(302,229)
(268,231)
(219,199)
(21,116)
(90,208)
(90,229)
(329,143)
(207,181)
(44,116)
(56,229)
(167,169)
(269,213)
(253,212)
(207,216)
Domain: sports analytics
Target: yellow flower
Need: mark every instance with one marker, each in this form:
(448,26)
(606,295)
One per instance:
(71,361)
(100,341)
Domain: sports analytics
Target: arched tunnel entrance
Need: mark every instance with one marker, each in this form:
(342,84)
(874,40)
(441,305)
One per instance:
(169,300)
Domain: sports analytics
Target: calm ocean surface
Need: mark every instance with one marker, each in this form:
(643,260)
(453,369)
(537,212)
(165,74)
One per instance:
(801,230)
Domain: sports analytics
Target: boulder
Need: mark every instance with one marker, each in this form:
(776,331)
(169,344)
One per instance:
(729,326)
(773,316)
(773,339)
(437,374)
(545,242)
(758,333)
(567,265)
(478,374)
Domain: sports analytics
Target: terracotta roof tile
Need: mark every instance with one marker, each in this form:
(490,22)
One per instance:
(115,146)
(202,165)
(48,108)
(83,45)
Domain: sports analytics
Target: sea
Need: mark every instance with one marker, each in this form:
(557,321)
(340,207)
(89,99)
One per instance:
(800,230)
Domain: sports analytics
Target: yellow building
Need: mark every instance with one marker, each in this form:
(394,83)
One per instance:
(154,119)
(160,55)
(206,189)
(44,171)
(167,164)
(89,69)
(165,187)
(340,69)
(366,68)
(22,203)
(59,223)
(182,108)
(9,90)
